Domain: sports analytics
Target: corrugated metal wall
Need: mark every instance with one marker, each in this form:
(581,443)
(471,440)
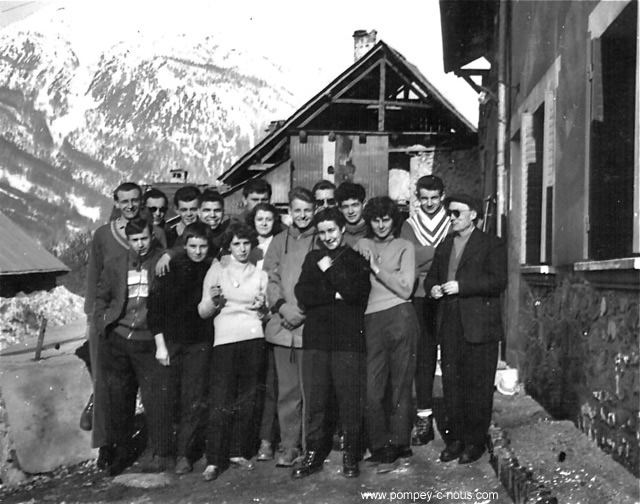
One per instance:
(371,160)
(307,160)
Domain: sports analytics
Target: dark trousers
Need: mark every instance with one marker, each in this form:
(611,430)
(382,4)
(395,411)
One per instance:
(427,353)
(468,373)
(333,380)
(100,429)
(269,410)
(128,365)
(391,359)
(189,380)
(233,383)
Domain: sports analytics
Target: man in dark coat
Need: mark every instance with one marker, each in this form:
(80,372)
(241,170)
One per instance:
(468,275)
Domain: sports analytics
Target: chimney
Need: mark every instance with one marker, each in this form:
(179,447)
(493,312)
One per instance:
(362,42)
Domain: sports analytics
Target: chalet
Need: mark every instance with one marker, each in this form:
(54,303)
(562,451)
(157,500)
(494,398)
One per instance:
(25,265)
(559,130)
(380,123)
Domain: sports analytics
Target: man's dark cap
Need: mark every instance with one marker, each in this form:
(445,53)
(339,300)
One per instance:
(470,201)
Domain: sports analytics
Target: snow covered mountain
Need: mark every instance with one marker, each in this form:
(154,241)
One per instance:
(73,127)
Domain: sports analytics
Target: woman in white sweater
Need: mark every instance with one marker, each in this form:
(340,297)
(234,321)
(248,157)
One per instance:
(234,291)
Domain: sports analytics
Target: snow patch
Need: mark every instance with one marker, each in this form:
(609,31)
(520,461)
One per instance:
(19,182)
(92,213)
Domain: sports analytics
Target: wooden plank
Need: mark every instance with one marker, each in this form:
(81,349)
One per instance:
(382,95)
(358,79)
(387,103)
(43,328)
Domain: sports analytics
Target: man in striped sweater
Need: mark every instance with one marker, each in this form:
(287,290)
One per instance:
(426,229)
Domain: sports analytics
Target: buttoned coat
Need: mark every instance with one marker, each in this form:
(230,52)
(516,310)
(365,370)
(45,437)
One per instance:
(482,277)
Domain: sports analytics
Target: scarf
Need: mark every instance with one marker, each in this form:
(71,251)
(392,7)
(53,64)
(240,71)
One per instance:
(429,231)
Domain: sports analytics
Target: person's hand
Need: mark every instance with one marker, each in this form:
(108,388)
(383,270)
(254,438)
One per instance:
(215,291)
(291,315)
(325,263)
(258,302)
(162,266)
(366,253)
(162,355)
(436,292)
(450,288)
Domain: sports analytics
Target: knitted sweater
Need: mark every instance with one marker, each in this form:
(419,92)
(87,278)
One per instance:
(173,303)
(240,284)
(394,282)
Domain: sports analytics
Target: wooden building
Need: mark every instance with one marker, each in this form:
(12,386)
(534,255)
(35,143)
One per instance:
(379,119)
(559,130)
(25,265)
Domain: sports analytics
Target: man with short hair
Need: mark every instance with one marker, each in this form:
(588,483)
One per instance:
(323,192)
(350,198)
(186,204)
(127,349)
(467,277)
(283,264)
(211,213)
(109,241)
(426,229)
(156,203)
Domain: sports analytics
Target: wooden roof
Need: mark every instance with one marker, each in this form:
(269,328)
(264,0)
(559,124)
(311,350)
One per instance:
(375,95)
(20,254)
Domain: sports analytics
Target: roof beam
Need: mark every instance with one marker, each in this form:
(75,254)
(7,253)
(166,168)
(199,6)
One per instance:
(358,79)
(381,95)
(386,103)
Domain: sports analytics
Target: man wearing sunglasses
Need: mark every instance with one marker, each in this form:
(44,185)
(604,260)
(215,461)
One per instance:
(156,203)
(324,194)
(467,277)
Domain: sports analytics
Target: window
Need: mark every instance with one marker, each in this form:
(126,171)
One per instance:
(612,137)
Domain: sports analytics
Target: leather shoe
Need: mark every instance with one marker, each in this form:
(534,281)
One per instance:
(86,417)
(470,454)
(311,463)
(452,451)
(105,457)
(120,462)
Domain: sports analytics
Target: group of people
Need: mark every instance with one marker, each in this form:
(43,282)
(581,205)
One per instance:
(249,339)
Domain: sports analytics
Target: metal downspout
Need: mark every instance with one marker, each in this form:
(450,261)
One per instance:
(502,119)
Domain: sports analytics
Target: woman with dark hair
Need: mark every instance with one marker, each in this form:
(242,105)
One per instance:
(333,289)
(264,218)
(391,330)
(234,292)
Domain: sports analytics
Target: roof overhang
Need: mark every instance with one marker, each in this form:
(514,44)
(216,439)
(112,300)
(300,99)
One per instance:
(467,31)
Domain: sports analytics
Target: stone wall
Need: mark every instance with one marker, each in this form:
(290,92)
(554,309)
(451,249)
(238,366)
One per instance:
(460,170)
(581,344)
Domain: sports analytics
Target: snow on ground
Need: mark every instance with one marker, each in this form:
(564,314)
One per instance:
(20,315)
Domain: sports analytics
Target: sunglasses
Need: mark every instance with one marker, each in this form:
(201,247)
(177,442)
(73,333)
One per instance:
(154,209)
(456,213)
(326,201)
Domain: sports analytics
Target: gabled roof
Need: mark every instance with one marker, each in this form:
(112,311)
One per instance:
(19,254)
(427,96)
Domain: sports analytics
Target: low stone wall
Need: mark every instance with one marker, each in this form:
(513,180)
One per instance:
(581,357)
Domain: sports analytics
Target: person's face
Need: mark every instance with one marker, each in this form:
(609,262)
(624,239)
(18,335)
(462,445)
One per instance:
(461,216)
(158,209)
(254,198)
(140,243)
(211,213)
(430,201)
(324,199)
(352,210)
(188,211)
(382,226)
(128,202)
(240,249)
(301,213)
(330,234)
(264,222)
(197,249)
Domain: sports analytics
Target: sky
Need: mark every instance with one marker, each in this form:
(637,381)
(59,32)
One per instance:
(311,40)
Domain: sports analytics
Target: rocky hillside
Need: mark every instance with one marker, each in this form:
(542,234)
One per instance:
(71,130)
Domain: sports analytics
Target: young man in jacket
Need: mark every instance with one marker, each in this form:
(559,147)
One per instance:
(283,263)
(128,349)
